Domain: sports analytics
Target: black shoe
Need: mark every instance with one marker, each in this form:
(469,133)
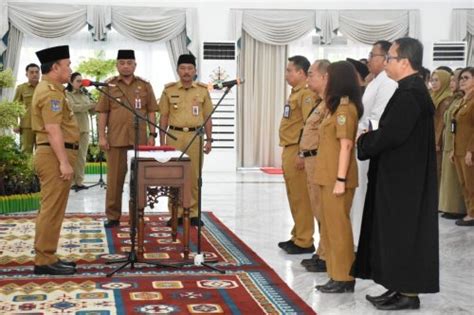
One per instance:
(294,249)
(74,187)
(180,222)
(111,223)
(333,286)
(379,299)
(195,221)
(54,269)
(462,222)
(453,216)
(67,263)
(310,261)
(319,266)
(400,302)
(81,187)
(284,245)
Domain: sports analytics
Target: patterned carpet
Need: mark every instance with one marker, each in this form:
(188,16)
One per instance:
(249,286)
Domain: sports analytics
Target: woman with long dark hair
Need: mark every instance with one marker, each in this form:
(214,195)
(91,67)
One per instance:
(81,105)
(336,173)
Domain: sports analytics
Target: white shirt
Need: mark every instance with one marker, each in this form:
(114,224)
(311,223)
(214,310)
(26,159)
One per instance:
(375,98)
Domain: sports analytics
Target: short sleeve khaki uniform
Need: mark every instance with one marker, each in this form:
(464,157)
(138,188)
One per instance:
(50,106)
(120,133)
(187,109)
(299,105)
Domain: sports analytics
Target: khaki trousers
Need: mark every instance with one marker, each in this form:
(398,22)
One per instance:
(314,193)
(298,198)
(337,230)
(80,165)
(27,140)
(116,171)
(193,152)
(466,179)
(54,196)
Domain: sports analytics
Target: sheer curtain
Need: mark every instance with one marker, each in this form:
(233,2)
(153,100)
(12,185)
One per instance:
(262,99)
(462,28)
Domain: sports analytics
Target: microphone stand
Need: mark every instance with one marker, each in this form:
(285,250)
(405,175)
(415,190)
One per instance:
(100,156)
(133,258)
(199,258)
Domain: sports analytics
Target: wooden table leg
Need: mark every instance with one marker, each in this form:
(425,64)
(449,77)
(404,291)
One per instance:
(174,218)
(186,233)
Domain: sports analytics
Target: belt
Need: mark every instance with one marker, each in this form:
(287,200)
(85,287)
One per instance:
(67,145)
(185,129)
(310,153)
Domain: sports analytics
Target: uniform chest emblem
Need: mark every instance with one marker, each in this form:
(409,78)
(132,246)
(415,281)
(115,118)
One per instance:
(55,105)
(341,120)
(308,100)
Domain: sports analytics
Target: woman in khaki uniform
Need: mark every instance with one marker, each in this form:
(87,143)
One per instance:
(336,173)
(451,200)
(440,94)
(462,155)
(81,105)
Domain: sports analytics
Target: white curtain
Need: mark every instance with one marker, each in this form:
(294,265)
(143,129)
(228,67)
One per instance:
(462,28)
(176,47)
(99,19)
(261,102)
(368,26)
(12,57)
(3,24)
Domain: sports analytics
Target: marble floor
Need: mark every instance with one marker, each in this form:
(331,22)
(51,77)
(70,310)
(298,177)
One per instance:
(254,206)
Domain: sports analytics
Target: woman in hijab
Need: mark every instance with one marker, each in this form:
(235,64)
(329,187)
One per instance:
(451,200)
(440,94)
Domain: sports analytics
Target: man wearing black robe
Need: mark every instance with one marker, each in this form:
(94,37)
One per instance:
(398,246)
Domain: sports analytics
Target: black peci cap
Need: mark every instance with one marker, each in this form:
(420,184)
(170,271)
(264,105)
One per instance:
(53,54)
(126,54)
(187,58)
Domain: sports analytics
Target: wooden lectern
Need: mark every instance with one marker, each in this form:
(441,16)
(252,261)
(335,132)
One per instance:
(156,179)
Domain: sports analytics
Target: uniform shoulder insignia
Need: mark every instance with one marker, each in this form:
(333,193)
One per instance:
(111,79)
(141,79)
(202,84)
(170,84)
(341,119)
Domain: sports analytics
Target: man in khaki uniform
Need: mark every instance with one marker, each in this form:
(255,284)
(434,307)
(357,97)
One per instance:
(184,105)
(24,94)
(300,103)
(309,145)
(57,136)
(119,137)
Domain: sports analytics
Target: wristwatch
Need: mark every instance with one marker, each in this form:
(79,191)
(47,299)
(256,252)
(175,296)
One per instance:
(153,134)
(301,154)
(209,140)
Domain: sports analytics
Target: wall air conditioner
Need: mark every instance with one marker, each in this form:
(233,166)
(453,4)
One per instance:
(219,64)
(451,54)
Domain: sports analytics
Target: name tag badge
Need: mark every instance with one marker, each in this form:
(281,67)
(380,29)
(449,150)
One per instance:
(138,103)
(286,111)
(195,110)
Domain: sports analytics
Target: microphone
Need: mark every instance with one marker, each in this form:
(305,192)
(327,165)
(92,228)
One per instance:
(86,82)
(227,84)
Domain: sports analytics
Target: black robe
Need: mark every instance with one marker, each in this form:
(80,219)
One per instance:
(398,246)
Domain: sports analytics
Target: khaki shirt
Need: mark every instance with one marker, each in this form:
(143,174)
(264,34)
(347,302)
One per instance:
(464,136)
(24,93)
(340,125)
(185,107)
(300,103)
(138,96)
(50,106)
(81,105)
(310,136)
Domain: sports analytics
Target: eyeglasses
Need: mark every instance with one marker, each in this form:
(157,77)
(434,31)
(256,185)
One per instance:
(464,77)
(388,58)
(372,55)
